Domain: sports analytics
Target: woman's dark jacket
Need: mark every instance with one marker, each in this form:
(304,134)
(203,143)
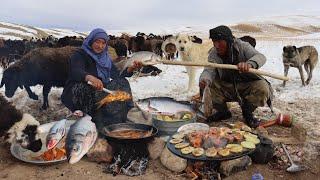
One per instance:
(81,64)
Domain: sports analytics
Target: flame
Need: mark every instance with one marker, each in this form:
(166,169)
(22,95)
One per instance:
(117,96)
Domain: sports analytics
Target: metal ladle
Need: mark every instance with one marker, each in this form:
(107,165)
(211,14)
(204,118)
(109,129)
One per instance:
(294,167)
(104,89)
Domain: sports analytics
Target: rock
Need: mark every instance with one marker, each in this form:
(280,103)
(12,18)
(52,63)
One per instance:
(172,162)
(101,151)
(295,158)
(315,133)
(281,150)
(232,166)
(155,148)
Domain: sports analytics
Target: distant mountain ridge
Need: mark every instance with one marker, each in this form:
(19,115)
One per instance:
(276,26)
(16,31)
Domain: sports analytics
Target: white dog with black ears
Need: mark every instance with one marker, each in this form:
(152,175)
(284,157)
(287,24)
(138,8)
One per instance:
(191,49)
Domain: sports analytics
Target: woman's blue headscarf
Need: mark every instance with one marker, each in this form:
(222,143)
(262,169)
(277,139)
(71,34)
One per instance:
(103,60)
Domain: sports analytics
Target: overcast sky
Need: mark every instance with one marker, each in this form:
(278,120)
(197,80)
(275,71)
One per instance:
(125,14)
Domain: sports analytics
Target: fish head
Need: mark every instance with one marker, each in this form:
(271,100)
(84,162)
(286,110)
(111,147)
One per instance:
(52,143)
(142,104)
(75,153)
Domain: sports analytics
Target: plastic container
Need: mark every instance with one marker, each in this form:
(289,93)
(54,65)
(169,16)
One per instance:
(257,176)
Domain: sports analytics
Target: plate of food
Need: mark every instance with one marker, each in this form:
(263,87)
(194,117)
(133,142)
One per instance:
(216,143)
(193,127)
(56,152)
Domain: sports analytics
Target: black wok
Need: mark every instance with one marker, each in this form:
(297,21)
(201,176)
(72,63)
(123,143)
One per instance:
(129,126)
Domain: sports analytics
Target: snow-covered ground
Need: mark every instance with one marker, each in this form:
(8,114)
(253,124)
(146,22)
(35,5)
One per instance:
(293,90)
(59,33)
(173,80)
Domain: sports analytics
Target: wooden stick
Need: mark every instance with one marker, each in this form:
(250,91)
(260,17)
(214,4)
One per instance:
(224,66)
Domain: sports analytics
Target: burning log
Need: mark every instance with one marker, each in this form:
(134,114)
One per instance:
(202,170)
(129,159)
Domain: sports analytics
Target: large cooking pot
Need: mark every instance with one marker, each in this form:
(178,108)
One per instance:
(129,126)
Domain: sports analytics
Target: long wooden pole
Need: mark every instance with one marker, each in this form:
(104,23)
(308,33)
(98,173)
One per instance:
(224,66)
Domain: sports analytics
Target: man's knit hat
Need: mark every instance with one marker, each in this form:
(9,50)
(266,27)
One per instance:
(221,33)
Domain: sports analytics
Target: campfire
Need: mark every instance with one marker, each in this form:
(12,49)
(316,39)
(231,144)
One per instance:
(117,96)
(130,148)
(130,159)
(203,170)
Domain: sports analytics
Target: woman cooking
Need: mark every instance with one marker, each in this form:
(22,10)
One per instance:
(92,63)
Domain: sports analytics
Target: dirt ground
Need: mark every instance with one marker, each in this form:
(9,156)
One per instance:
(305,111)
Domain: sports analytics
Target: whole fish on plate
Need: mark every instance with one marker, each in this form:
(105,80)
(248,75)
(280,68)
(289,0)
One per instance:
(145,57)
(162,105)
(56,133)
(81,137)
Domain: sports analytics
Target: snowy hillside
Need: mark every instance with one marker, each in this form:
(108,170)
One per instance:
(19,32)
(276,26)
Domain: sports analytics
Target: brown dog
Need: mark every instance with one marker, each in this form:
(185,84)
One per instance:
(296,57)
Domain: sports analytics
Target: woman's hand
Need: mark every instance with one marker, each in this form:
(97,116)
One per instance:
(136,65)
(96,83)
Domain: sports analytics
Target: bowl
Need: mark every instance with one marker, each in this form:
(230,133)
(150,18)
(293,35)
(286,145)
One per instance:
(167,128)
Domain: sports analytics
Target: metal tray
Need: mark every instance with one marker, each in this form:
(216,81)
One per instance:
(205,158)
(25,155)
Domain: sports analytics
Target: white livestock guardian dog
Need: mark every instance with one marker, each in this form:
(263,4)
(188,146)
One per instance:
(191,49)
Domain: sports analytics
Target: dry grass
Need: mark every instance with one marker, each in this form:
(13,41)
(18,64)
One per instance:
(289,29)
(246,28)
(313,28)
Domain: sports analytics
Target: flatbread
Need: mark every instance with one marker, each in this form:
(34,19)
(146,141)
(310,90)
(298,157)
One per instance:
(175,141)
(232,145)
(198,152)
(224,152)
(211,152)
(178,136)
(236,149)
(248,145)
(181,145)
(187,150)
(252,139)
